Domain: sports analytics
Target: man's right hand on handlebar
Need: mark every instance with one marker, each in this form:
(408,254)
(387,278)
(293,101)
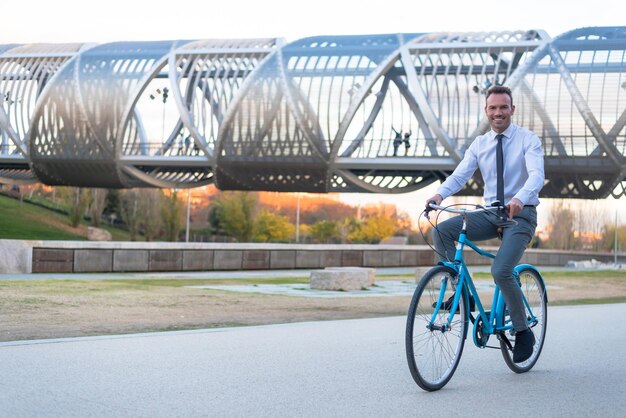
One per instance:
(436,198)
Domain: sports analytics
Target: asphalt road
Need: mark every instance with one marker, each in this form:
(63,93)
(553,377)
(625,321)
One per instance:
(336,368)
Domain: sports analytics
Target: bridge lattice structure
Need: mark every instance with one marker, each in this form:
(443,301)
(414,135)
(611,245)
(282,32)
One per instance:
(314,115)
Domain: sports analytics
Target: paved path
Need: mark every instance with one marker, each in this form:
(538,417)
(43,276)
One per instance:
(336,368)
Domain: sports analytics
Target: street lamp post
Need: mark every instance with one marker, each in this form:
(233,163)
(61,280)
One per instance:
(615,243)
(188,211)
(164,94)
(298,218)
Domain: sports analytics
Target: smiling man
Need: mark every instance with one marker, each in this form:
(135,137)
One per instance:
(510,160)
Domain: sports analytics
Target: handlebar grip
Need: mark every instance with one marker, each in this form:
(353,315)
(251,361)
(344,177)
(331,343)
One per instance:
(502,215)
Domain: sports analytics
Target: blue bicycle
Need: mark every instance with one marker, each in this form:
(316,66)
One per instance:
(439,315)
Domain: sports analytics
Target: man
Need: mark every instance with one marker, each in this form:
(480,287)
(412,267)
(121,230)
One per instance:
(396,141)
(407,143)
(523,178)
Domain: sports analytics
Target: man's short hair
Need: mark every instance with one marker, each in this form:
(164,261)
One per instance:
(499,90)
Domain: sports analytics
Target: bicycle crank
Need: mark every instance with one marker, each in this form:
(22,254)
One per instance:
(480,336)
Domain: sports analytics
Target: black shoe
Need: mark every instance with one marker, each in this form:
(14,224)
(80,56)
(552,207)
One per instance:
(448,304)
(524,342)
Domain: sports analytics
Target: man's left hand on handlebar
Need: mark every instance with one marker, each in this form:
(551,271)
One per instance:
(514,207)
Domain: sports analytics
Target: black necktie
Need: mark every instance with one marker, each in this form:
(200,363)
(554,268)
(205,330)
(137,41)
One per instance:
(500,169)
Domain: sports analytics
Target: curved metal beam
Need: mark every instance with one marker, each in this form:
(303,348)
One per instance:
(321,132)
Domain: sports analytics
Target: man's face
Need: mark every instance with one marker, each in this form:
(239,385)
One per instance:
(499,111)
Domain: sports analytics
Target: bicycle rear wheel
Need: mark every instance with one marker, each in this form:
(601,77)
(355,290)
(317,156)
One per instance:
(433,354)
(535,292)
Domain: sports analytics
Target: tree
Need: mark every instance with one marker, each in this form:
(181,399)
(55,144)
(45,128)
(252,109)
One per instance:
(348,227)
(271,227)
(373,230)
(215,227)
(562,220)
(608,237)
(112,206)
(172,212)
(150,213)
(236,212)
(326,232)
(96,207)
(403,224)
(77,200)
(590,217)
(129,205)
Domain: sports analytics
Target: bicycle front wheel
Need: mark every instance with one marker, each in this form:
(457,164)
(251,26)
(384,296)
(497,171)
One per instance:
(433,351)
(534,291)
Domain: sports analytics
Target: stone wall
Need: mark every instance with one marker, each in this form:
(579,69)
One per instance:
(101,257)
(132,257)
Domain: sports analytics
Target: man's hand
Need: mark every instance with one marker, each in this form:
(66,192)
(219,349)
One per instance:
(436,198)
(514,207)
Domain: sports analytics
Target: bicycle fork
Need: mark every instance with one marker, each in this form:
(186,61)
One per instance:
(445,282)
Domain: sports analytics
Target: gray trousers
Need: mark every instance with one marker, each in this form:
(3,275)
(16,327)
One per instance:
(515,239)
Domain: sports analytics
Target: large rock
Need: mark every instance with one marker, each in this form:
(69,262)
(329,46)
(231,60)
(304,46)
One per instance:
(98,234)
(371,272)
(339,279)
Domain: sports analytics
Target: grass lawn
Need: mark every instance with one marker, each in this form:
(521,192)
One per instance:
(22,220)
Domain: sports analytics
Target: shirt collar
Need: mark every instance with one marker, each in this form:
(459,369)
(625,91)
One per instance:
(508,133)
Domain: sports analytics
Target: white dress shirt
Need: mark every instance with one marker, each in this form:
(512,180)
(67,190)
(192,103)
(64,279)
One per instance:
(523,166)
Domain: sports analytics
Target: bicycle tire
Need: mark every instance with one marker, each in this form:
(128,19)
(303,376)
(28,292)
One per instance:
(534,290)
(433,355)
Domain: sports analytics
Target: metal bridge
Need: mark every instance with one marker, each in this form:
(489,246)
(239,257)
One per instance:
(316,115)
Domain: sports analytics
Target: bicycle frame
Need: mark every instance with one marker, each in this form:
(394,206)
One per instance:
(492,321)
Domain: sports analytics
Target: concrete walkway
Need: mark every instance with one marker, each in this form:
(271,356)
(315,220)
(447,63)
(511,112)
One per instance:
(335,368)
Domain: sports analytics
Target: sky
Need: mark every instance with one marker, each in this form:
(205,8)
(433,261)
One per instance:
(41,21)
(118,20)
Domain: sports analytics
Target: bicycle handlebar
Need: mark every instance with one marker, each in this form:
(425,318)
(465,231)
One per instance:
(479,208)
